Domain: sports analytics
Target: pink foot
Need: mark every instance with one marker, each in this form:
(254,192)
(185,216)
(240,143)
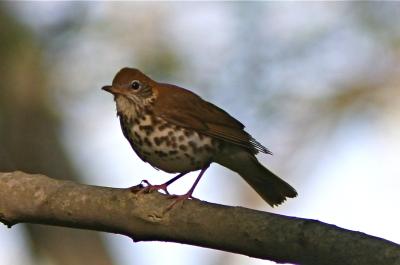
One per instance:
(150,188)
(178,199)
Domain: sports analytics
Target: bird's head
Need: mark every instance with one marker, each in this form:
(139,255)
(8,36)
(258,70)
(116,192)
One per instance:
(132,88)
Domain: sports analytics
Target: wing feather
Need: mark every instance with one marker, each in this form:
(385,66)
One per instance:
(184,108)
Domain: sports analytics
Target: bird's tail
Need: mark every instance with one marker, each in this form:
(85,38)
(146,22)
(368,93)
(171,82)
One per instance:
(269,186)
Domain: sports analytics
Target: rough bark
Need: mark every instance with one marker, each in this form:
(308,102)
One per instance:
(26,198)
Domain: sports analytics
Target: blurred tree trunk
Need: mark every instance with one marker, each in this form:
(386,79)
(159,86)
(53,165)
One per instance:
(27,124)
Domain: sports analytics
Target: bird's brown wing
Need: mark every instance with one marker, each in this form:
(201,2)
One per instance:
(184,108)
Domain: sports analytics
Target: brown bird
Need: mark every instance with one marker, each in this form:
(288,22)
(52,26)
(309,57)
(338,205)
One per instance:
(176,131)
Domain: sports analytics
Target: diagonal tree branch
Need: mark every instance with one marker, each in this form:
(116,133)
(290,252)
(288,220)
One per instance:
(26,198)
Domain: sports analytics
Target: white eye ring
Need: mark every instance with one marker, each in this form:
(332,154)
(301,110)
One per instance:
(135,85)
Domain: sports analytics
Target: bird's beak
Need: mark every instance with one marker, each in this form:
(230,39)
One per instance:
(107,88)
(115,90)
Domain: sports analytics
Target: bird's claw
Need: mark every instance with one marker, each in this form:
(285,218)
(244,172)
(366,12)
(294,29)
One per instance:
(178,199)
(150,188)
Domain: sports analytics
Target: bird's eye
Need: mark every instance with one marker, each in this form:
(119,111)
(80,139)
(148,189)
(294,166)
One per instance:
(135,85)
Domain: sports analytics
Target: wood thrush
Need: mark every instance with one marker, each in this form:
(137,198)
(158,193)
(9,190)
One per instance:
(176,131)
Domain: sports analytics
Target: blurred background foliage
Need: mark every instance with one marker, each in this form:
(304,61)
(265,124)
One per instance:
(317,83)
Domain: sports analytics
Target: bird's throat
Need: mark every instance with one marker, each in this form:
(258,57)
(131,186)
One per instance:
(127,108)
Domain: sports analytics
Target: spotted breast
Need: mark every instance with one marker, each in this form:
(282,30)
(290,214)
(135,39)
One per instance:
(165,146)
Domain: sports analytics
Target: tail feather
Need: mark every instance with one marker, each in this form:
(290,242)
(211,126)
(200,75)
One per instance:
(270,187)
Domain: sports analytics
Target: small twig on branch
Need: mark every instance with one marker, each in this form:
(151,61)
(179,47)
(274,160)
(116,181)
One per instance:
(26,198)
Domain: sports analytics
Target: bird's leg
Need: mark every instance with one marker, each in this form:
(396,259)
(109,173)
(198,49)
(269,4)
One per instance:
(188,195)
(163,187)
